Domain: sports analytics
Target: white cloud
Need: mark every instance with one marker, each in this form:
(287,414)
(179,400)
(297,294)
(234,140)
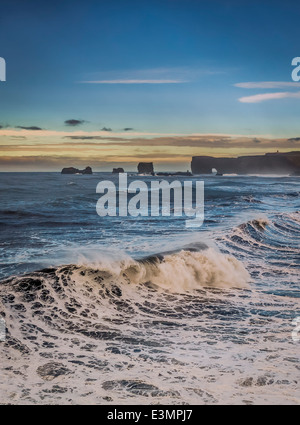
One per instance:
(134,82)
(175,75)
(268,96)
(267,85)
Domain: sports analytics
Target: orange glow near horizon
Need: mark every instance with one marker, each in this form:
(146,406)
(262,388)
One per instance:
(23,150)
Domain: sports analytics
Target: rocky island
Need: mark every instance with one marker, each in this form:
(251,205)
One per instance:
(72,170)
(118,170)
(270,163)
(145,168)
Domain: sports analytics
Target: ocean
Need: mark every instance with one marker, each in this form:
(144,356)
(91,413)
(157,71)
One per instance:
(125,310)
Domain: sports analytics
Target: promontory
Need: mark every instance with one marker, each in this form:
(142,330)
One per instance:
(270,163)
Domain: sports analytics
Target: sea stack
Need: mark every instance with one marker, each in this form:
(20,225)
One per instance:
(145,168)
(72,170)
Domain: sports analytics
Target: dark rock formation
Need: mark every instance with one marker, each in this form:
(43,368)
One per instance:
(118,170)
(145,168)
(270,163)
(72,170)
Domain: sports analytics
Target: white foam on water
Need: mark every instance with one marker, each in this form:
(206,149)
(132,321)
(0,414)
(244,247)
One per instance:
(187,271)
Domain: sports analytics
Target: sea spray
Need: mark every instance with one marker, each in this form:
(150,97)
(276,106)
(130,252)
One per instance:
(188,271)
(179,272)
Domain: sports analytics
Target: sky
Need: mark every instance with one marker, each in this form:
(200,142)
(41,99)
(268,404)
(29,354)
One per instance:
(112,83)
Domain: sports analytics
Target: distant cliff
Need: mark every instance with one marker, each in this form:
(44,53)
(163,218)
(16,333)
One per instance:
(270,163)
(145,168)
(72,170)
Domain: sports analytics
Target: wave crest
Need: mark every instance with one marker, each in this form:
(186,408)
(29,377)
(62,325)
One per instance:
(183,271)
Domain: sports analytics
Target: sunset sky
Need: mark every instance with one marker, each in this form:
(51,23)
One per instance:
(106,83)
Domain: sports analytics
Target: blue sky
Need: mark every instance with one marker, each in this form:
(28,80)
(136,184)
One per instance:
(165,67)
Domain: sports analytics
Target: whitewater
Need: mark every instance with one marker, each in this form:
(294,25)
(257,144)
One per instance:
(124,310)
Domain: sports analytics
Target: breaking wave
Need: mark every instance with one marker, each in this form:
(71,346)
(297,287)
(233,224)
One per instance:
(187,271)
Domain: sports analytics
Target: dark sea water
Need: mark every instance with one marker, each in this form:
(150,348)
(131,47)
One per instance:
(91,318)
